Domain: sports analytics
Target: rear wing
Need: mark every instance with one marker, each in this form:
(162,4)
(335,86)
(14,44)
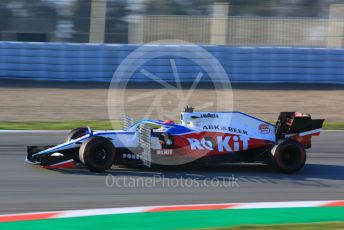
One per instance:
(295,124)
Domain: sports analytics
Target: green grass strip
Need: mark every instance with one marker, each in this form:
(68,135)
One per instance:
(63,125)
(187,219)
(99,125)
(316,226)
(334,125)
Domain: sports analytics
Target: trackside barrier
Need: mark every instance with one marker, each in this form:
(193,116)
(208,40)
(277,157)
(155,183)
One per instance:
(97,63)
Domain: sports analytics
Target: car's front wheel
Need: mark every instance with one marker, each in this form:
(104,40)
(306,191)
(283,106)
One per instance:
(97,153)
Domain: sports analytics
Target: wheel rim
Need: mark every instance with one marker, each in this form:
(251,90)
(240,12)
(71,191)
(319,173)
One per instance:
(292,157)
(101,155)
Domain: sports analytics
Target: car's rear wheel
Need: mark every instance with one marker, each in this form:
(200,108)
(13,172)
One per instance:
(97,153)
(76,133)
(288,156)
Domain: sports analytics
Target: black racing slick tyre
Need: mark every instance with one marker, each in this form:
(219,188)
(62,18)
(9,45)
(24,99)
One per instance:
(97,153)
(288,156)
(76,133)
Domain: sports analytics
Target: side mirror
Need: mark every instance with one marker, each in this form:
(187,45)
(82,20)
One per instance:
(127,122)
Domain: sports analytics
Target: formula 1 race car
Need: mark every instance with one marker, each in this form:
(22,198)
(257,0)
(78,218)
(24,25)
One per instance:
(201,137)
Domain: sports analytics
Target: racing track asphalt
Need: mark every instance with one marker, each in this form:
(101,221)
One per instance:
(27,188)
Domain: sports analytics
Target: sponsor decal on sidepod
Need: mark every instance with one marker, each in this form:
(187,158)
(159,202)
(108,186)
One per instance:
(222,143)
(264,128)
